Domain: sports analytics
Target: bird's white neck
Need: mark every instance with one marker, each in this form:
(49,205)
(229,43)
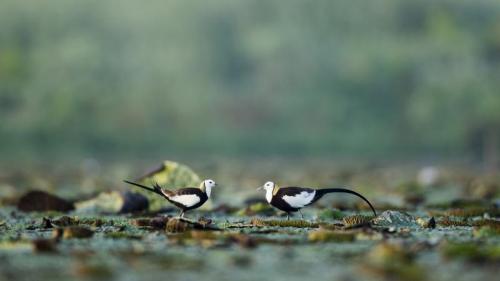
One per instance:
(208,190)
(269,195)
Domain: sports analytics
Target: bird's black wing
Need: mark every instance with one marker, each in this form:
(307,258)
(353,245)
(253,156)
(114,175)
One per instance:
(292,190)
(188,190)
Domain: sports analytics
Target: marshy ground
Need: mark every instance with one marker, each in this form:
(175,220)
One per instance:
(435,223)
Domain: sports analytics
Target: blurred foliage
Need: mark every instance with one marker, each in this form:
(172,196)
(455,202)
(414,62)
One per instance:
(366,78)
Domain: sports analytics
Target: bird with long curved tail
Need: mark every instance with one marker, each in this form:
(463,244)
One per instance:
(292,199)
(186,198)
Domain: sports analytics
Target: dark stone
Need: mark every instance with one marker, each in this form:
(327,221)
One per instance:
(41,201)
(46,223)
(133,202)
(432,223)
(159,222)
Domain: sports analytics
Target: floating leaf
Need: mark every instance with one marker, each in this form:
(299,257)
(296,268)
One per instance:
(114,202)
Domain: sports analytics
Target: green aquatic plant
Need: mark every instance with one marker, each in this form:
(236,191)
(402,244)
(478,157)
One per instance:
(122,235)
(487,222)
(284,223)
(328,214)
(175,225)
(323,235)
(393,261)
(486,231)
(357,220)
(471,251)
(473,212)
(259,208)
(447,222)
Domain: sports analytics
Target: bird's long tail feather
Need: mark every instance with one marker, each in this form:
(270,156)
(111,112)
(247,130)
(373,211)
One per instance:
(321,192)
(156,188)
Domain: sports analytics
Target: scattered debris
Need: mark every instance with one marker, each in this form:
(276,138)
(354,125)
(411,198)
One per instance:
(427,223)
(156,223)
(175,225)
(62,221)
(474,212)
(72,232)
(330,214)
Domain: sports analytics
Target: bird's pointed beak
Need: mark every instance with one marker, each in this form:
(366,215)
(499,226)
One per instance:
(260,188)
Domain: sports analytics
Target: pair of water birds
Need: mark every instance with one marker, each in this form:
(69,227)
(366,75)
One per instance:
(288,199)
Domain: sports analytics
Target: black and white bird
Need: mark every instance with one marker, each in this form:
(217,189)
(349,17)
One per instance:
(292,199)
(186,198)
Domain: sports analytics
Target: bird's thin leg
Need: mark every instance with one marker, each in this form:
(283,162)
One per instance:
(181,215)
(301,214)
(287,216)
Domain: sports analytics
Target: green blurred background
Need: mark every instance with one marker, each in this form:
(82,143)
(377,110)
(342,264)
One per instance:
(164,79)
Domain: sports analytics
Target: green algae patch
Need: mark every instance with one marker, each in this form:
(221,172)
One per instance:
(473,212)
(329,214)
(393,261)
(487,222)
(471,251)
(486,231)
(154,223)
(449,222)
(284,223)
(357,221)
(175,225)
(426,222)
(323,235)
(122,235)
(259,208)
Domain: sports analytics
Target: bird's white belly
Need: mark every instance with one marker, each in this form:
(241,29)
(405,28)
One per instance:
(299,200)
(187,200)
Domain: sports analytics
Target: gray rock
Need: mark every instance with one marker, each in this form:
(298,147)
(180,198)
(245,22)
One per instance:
(395,218)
